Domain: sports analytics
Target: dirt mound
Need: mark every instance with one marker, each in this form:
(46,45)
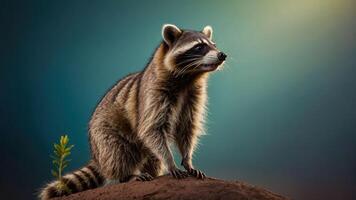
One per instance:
(166,187)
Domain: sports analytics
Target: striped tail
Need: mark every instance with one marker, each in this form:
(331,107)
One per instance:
(85,178)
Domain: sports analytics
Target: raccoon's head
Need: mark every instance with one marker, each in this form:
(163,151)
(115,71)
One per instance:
(191,51)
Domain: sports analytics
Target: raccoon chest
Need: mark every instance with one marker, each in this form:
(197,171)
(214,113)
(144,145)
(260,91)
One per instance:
(177,112)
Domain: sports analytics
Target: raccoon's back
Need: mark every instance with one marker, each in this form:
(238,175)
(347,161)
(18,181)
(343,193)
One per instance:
(119,93)
(121,103)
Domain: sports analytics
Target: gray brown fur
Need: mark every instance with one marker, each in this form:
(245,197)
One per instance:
(135,123)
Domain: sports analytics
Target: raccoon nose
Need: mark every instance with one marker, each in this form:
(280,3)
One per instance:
(221,56)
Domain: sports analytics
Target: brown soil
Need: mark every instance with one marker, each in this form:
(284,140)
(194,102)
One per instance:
(166,187)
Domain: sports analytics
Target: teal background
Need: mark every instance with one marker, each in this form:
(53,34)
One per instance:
(281,114)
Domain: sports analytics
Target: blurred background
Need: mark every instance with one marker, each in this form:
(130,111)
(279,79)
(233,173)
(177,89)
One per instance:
(281,114)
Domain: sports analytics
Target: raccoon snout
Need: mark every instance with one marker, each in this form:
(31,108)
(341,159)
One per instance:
(221,56)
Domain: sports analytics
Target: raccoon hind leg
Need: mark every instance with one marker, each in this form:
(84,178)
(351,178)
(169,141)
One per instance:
(121,162)
(153,166)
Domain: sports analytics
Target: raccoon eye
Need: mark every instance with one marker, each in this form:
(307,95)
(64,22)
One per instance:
(199,47)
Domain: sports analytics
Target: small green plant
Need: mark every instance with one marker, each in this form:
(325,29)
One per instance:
(60,161)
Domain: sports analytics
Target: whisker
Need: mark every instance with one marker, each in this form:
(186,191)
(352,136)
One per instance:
(185,68)
(185,61)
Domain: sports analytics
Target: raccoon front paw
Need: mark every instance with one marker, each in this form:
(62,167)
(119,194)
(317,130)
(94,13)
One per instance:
(191,171)
(177,173)
(196,173)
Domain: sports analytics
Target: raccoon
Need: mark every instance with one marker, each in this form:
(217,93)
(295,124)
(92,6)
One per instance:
(136,122)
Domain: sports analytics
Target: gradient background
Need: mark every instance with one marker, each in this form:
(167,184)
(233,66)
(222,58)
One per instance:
(281,115)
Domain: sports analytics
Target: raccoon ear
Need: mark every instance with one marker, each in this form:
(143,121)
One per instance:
(170,33)
(208,31)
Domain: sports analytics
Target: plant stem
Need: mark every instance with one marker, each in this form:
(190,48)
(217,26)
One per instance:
(60,167)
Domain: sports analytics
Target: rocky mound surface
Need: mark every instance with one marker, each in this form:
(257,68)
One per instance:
(166,187)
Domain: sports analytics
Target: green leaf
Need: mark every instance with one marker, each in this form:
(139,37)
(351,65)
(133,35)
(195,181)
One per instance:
(66,161)
(61,140)
(54,173)
(65,165)
(64,140)
(57,147)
